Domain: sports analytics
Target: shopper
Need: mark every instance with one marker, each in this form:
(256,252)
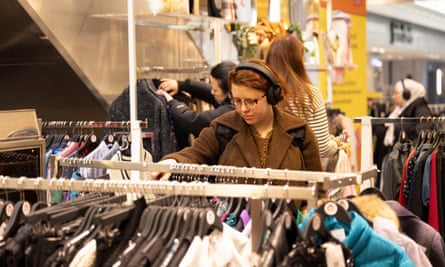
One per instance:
(286,57)
(187,120)
(256,133)
(409,100)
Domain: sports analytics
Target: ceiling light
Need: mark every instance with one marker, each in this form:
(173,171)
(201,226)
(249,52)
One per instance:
(433,5)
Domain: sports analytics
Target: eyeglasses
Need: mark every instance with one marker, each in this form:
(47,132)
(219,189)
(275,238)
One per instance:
(250,103)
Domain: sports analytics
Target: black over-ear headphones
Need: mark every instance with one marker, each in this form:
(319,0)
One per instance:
(273,94)
(406,94)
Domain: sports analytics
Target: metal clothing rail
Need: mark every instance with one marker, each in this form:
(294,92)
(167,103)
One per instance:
(325,179)
(401,120)
(91,124)
(160,187)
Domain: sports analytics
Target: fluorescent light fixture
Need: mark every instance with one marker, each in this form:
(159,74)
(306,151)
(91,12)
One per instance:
(439,75)
(433,5)
(377,63)
(274,10)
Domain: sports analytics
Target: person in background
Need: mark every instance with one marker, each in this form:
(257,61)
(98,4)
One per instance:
(262,135)
(409,100)
(216,93)
(286,57)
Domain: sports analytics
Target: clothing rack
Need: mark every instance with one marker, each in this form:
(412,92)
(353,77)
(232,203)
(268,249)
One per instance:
(325,180)
(160,187)
(366,133)
(252,191)
(91,124)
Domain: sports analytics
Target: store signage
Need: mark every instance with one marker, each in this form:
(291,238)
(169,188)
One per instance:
(401,32)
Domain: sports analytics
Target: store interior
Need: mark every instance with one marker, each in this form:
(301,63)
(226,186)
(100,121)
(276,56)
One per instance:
(50,59)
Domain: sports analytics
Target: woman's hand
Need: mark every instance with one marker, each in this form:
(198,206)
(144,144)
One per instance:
(163,93)
(163,176)
(170,86)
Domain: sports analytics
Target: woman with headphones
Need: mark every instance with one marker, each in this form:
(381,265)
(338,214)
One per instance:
(257,133)
(409,100)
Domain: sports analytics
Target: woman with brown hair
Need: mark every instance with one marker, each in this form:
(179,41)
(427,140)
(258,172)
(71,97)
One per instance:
(286,57)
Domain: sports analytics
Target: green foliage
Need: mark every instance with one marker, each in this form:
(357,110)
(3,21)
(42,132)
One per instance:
(240,38)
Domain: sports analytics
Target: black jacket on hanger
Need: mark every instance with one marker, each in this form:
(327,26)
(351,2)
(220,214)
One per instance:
(152,108)
(418,108)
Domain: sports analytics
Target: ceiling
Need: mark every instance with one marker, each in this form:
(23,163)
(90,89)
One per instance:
(409,11)
(398,9)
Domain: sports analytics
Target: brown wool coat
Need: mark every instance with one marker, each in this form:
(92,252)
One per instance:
(241,150)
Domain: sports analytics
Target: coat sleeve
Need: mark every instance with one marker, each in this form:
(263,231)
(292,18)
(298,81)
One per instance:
(205,149)
(198,89)
(192,121)
(311,152)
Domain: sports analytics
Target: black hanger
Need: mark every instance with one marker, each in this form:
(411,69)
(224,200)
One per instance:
(240,206)
(279,207)
(6,210)
(114,216)
(208,222)
(91,142)
(332,208)
(264,231)
(150,221)
(38,205)
(348,205)
(173,234)
(21,208)
(316,229)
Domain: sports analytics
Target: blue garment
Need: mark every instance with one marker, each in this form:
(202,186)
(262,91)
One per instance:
(426,181)
(368,248)
(101,152)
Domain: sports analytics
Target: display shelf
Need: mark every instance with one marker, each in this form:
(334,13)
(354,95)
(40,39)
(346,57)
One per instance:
(176,21)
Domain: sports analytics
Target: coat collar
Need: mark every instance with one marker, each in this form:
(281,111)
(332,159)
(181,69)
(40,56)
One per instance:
(283,119)
(281,140)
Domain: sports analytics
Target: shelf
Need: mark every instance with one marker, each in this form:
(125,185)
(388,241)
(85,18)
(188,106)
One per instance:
(203,69)
(175,21)
(327,67)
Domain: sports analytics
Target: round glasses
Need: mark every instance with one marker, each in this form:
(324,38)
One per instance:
(250,103)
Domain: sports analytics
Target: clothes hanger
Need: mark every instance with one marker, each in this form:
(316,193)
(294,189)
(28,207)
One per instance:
(208,222)
(6,211)
(284,235)
(315,228)
(315,231)
(173,235)
(264,231)
(348,205)
(332,208)
(17,219)
(152,247)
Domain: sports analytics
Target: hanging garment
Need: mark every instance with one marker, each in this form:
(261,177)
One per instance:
(388,229)
(421,232)
(368,248)
(152,108)
(392,168)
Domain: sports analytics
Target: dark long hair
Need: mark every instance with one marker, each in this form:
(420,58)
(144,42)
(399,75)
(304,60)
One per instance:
(220,72)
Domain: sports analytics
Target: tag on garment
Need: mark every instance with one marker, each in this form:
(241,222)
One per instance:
(339,234)
(334,255)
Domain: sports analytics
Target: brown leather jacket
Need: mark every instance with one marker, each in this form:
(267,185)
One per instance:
(241,150)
